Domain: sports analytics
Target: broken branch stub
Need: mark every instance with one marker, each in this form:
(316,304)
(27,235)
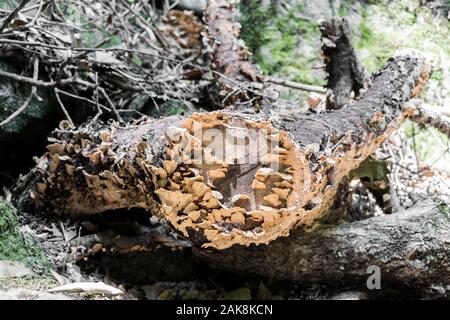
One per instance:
(345,73)
(237,79)
(225,178)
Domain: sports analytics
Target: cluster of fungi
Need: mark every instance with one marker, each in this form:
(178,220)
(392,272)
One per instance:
(232,193)
(247,194)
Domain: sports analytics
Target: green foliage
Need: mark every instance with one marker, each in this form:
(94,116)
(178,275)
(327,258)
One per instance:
(371,169)
(444,209)
(16,246)
(112,42)
(376,43)
(8,219)
(430,144)
(254,20)
(387,26)
(136,60)
(172,108)
(274,38)
(8,4)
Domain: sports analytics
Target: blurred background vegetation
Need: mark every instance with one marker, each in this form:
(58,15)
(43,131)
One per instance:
(285,40)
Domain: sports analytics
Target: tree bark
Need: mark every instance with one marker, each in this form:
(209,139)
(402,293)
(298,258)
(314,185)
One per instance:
(345,73)
(219,201)
(429,117)
(410,248)
(237,79)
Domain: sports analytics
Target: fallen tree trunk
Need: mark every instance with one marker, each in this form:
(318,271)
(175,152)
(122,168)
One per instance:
(410,248)
(224,178)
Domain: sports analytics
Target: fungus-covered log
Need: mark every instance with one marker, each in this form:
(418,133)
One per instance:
(237,79)
(410,248)
(225,178)
(345,73)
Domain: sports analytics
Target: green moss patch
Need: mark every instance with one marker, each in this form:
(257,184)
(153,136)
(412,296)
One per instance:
(16,246)
(275,37)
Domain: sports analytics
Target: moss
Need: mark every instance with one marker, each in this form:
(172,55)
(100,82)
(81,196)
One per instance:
(8,4)
(16,246)
(376,43)
(254,20)
(274,38)
(243,293)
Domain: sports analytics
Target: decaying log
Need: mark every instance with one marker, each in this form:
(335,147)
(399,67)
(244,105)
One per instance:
(345,73)
(410,248)
(237,79)
(170,167)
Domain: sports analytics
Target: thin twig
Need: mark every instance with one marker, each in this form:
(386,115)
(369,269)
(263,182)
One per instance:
(296,85)
(126,50)
(18,111)
(111,104)
(27,102)
(98,105)
(63,108)
(37,83)
(38,13)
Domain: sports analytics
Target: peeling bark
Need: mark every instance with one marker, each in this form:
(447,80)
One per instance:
(216,201)
(345,73)
(410,248)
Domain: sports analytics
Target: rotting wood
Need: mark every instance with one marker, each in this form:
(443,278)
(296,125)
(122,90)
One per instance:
(237,79)
(345,73)
(218,203)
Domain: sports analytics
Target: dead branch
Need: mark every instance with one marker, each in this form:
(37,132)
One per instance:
(13,14)
(296,85)
(429,117)
(345,73)
(153,63)
(236,77)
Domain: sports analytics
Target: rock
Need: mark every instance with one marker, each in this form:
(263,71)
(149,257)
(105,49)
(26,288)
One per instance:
(194,5)
(349,295)
(13,269)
